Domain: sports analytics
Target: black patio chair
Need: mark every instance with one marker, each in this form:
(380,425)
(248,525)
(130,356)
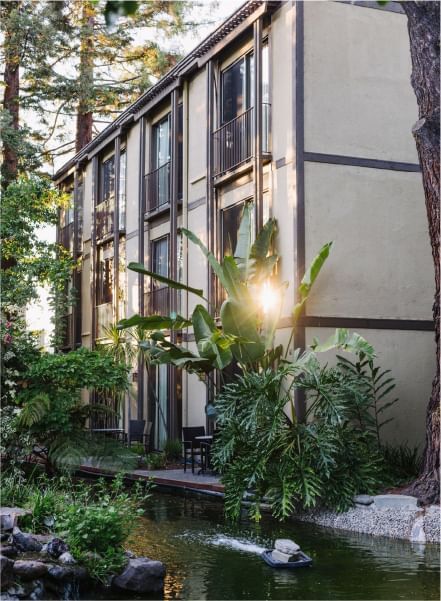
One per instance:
(136,432)
(191,447)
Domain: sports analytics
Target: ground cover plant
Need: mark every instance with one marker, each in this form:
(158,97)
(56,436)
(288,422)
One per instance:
(95,519)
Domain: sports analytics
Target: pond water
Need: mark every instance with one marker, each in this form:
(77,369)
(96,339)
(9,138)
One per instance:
(208,558)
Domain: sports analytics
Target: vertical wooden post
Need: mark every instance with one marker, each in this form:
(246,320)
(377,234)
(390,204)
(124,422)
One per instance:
(115,293)
(93,258)
(257,164)
(141,184)
(172,409)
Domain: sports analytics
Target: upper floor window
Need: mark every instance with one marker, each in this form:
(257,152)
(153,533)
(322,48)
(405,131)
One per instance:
(237,88)
(161,142)
(122,198)
(104,274)
(107,179)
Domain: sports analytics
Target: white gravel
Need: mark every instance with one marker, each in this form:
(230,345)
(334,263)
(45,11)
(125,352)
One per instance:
(392,522)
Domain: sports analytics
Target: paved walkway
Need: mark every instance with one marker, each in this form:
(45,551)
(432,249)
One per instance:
(174,478)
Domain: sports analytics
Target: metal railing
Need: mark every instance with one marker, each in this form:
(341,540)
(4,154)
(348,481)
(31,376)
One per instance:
(105,218)
(104,318)
(233,141)
(158,187)
(157,302)
(106,420)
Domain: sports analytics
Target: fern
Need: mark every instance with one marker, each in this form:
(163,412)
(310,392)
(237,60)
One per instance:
(34,410)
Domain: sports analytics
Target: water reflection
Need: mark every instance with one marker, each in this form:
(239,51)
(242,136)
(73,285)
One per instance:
(208,558)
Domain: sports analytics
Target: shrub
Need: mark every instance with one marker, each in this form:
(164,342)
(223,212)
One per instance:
(327,460)
(155,461)
(173,449)
(402,464)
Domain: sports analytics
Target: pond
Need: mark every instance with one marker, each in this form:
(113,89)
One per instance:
(208,558)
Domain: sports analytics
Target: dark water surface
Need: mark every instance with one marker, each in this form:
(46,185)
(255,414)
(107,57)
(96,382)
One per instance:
(208,558)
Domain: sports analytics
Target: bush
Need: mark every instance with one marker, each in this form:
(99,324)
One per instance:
(402,464)
(327,460)
(173,449)
(156,461)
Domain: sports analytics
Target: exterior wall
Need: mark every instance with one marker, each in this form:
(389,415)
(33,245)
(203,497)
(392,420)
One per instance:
(380,266)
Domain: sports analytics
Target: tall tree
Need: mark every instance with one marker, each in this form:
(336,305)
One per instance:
(11,80)
(85,77)
(424,33)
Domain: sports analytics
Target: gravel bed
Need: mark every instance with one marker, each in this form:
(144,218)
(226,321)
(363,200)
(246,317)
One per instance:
(392,522)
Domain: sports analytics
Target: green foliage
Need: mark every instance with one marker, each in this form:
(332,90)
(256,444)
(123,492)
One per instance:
(402,464)
(27,204)
(53,415)
(95,520)
(310,277)
(173,449)
(156,461)
(327,460)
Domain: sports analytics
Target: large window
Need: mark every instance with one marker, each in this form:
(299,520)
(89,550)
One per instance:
(161,142)
(237,88)
(122,189)
(104,275)
(230,226)
(158,297)
(107,179)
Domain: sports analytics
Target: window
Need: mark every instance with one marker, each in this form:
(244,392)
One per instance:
(122,190)
(237,88)
(104,275)
(230,226)
(107,180)
(160,259)
(79,208)
(161,142)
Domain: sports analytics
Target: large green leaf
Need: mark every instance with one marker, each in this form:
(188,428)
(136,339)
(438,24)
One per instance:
(262,244)
(211,342)
(214,263)
(242,253)
(342,339)
(235,287)
(310,277)
(139,268)
(240,320)
(154,322)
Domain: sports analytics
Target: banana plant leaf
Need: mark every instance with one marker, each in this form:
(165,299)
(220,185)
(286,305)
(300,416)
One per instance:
(212,344)
(310,277)
(169,353)
(214,263)
(240,320)
(139,268)
(154,322)
(242,253)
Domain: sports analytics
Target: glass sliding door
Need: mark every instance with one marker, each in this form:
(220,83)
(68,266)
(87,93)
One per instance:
(161,160)
(161,406)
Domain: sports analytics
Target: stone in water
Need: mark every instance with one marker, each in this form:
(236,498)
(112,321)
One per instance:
(286,546)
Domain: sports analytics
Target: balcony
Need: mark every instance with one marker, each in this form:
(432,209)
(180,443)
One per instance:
(233,141)
(104,319)
(105,218)
(158,188)
(157,302)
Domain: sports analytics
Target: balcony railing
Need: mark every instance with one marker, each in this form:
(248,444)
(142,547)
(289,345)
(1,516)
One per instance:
(158,188)
(105,218)
(233,141)
(157,302)
(104,318)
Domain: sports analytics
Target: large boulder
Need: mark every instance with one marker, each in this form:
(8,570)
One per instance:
(5,570)
(8,550)
(66,572)
(66,558)
(25,542)
(141,575)
(28,569)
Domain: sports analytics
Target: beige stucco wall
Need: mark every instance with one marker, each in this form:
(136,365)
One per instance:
(411,358)
(132,189)
(358,97)
(380,264)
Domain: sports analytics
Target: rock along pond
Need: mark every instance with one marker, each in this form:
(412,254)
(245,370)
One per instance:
(208,558)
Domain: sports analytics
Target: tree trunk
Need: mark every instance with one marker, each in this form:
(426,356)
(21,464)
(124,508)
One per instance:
(11,80)
(85,78)
(424,30)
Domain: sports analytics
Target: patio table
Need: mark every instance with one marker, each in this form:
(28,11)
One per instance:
(206,442)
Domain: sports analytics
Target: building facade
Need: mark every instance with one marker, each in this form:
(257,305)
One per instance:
(304,108)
